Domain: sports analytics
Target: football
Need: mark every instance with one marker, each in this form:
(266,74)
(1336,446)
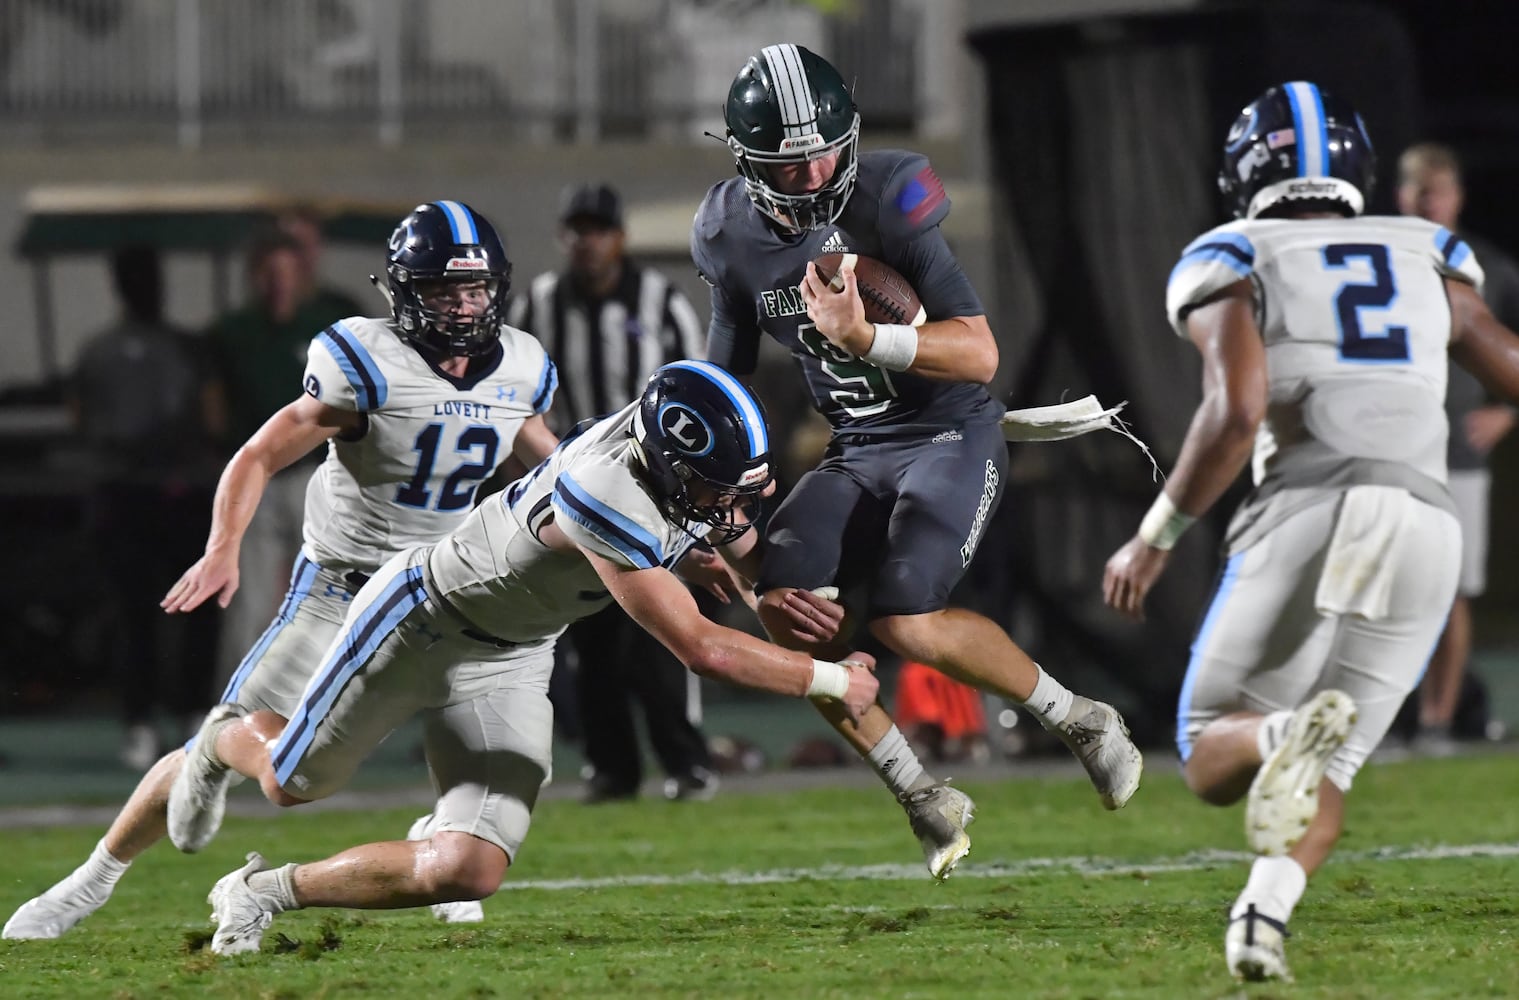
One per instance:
(887,296)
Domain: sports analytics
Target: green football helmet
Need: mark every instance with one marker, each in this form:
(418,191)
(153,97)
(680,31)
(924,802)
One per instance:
(789,105)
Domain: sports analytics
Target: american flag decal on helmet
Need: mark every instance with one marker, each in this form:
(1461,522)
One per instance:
(921,196)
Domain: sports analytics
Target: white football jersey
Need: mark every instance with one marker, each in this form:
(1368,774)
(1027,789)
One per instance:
(493,571)
(1356,325)
(428,438)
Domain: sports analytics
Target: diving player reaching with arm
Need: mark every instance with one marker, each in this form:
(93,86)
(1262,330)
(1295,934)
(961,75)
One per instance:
(462,633)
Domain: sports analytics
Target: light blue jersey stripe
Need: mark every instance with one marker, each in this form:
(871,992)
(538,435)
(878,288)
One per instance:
(301,579)
(1199,650)
(611,526)
(370,387)
(347,655)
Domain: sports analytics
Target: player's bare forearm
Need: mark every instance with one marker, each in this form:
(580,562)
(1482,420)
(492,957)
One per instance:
(1481,344)
(534,441)
(1235,391)
(283,439)
(961,349)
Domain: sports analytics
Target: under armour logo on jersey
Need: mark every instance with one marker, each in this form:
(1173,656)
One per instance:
(502,392)
(835,243)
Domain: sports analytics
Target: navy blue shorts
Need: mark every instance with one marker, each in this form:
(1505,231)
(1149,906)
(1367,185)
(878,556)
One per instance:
(900,517)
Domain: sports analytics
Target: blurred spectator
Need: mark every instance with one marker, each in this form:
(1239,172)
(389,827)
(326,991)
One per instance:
(260,355)
(608,322)
(303,223)
(1429,186)
(145,406)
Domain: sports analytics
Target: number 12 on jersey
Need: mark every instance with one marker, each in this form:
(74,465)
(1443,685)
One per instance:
(459,488)
(1356,299)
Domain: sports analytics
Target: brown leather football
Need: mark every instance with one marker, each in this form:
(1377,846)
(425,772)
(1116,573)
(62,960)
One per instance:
(887,296)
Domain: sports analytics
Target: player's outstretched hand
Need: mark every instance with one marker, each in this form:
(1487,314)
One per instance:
(814,616)
(213,575)
(1130,574)
(864,688)
(707,570)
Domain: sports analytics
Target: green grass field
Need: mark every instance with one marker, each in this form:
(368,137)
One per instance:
(820,893)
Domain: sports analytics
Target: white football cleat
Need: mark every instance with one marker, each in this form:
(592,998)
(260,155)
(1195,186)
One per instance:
(198,798)
(44,918)
(1096,734)
(939,815)
(1255,947)
(241,915)
(1284,797)
(464,911)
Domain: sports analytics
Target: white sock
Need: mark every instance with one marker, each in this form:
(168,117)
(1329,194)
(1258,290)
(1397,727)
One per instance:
(277,887)
(1275,886)
(1051,700)
(1271,733)
(897,765)
(94,880)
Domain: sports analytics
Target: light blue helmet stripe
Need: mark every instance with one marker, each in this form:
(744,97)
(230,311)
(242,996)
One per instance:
(759,441)
(1311,131)
(460,221)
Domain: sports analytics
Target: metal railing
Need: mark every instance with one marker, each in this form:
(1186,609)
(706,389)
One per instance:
(192,71)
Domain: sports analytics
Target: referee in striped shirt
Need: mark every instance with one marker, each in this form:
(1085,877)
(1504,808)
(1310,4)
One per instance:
(608,322)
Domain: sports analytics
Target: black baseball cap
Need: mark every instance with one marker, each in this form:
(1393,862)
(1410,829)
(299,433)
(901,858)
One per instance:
(592,203)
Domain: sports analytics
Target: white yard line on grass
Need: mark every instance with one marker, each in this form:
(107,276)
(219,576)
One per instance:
(1193,861)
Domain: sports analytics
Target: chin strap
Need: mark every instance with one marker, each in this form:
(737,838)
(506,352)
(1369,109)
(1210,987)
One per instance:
(1067,420)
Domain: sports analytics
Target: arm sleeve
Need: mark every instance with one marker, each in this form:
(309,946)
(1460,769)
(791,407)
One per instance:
(1210,263)
(732,344)
(613,523)
(341,372)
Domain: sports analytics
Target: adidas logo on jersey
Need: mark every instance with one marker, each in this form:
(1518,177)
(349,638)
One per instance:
(835,243)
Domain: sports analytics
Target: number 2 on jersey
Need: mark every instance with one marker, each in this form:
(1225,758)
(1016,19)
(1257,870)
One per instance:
(1357,341)
(468,475)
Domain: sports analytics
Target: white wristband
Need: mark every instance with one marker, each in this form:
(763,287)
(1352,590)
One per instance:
(895,347)
(829,680)
(1163,523)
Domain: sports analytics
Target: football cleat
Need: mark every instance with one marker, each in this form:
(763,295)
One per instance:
(241,915)
(1255,947)
(939,815)
(1284,797)
(44,917)
(1095,733)
(198,798)
(464,911)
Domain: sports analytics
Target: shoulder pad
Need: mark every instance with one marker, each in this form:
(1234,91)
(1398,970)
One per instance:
(341,369)
(1215,260)
(601,508)
(910,196)
(1454,258)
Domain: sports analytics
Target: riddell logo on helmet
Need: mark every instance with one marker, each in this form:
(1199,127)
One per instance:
(797,144)
(1312,189)
(754,476)
(467,264)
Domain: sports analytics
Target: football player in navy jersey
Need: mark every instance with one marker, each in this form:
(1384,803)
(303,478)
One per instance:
(916,462)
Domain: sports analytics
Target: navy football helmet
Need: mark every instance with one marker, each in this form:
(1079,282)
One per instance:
(789,105)
(1297,147)
(447,241)
(697,425)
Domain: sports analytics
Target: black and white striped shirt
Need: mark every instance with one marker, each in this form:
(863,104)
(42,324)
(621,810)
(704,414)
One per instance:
(607,348)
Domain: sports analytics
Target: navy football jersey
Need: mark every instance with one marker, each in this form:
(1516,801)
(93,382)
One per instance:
(754,269)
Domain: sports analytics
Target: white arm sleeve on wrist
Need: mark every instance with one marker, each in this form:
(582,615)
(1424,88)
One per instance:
(829,680)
